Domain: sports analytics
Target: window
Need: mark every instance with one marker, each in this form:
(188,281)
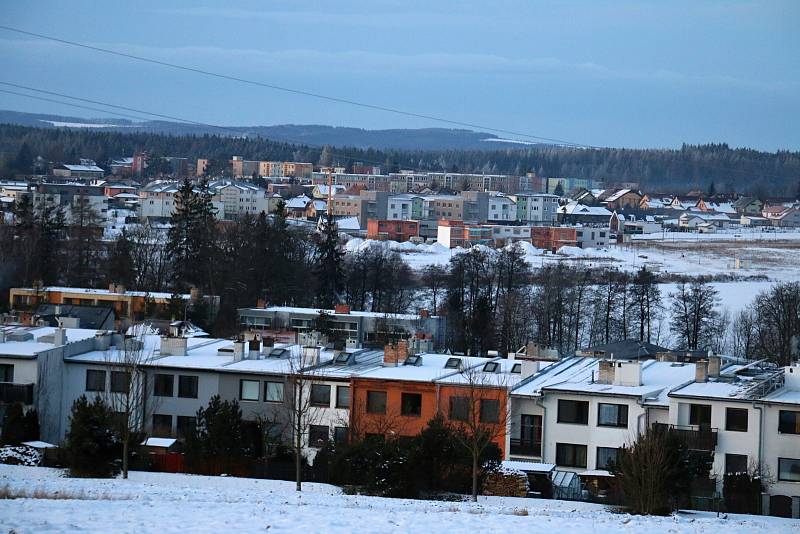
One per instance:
(185,425)
(342,396)
(612,415)
(736,419)
(6,372)
(162,425)
(248,390)
(490,411)
(120,381)
(318,435)
(340,435)
(789,469)
(788,422)
(517,368)
(570,455)
(576,412)
(187,386)
(700,414)
(459,408)
(411,404)
(735,463)
(163,385)
(606,456)
(320,395)
(490,367)
(273,391)
(95,380)
(452,363)
(376,402)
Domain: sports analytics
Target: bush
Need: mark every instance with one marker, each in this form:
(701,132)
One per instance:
(655,472)
(216,445)
(21,455)
(742,492)
(93,447)
(19,426)
(431,462)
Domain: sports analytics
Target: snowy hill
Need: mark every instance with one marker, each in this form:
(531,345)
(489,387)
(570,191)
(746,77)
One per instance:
(166,503)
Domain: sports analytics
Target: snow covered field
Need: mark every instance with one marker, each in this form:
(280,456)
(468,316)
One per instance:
(165,503)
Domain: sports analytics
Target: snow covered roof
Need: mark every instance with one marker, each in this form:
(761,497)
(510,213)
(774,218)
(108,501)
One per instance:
(159,442)
(299,202)
(41,339)
(315,311)
(348,223)
(575,208)
(531,467)
(92,291)
(83,168)
(36,444)
(428,368)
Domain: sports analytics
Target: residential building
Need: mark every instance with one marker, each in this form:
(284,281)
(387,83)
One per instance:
(590,237)
(86,170)
(71,196)
(553,238)
(748,206)
(367,329)
(575,213)
(536,208)
(392,230)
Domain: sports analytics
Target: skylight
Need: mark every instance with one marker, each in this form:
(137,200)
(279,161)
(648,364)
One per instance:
(342,357)
(490,367)
(413,360)
(517,368)
(277,353)
(453,363)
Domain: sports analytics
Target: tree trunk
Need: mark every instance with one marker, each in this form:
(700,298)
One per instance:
(474,477)
(125,447)
(298,472)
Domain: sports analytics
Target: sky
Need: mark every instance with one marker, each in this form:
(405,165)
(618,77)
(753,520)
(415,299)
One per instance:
(603,73)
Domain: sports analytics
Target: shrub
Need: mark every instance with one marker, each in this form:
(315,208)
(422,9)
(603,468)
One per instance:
(742,492)
(216,445)
(93,448)
(19,426)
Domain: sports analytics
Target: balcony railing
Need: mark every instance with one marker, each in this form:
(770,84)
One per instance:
(695,438)
(11,393)
(526,447)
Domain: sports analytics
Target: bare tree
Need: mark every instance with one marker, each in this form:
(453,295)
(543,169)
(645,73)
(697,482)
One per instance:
(302,414)
(695,318)
(127,395)
(479,414)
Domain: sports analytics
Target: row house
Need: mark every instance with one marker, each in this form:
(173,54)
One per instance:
(71,197)
(231,199)
(357,328)
(537,208)
(87,169)
(575,415)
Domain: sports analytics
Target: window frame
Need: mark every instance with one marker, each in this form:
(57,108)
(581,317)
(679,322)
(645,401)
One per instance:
(738,457)
(493,417)
(454,411)
(190,379)
(579,421)
(157,428)
(318,443)
(782,425)
(179,430)
(267,384)
(95,373)
(781,459)
(241,390)
(574,447)
(156,388)
(598,450)
(620,409)
(337,435)
(371,396)
(405,404)
(317,388)
(113,384)
(728,426)
(698,409)
(339,403)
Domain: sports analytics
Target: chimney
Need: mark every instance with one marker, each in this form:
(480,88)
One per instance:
(261,303)
(701,371)
(395,353)
(424,314)
(529,368)
(254,348)
(59,337)
(627,374)
(310,356)
(343,309)
(173,346)
(714,364)
(194,294)
(2,336)
(113,287)
(239,350)
(606,372)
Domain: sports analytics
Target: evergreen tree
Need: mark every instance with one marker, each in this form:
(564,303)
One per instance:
(180,246)
(19,425)
(92,445)
(712,190)
(559,191)
(120,268)
(329,268)
(216,445)
(23,163)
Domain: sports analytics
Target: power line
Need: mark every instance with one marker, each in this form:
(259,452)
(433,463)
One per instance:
(294,91)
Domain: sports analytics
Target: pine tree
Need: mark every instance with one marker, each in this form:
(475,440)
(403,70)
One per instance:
(559,191)
(329,265)
(92,445)
(180,246)
(120,268)
(712,189)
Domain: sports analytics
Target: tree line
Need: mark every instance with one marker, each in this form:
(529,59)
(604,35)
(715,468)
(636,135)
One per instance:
(690,167)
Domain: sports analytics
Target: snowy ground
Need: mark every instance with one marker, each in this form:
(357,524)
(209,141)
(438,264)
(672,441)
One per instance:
(164,503)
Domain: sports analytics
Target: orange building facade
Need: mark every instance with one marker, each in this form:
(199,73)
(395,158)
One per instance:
(392,230)
(553,238)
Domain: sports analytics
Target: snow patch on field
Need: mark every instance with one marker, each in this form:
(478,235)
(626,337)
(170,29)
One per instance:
(166,503)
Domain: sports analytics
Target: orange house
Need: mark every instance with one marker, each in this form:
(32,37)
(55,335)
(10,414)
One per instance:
(553,237)
(392,230)
(400,398)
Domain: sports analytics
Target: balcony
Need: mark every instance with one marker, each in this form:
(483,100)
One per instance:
(11,393)
(696,438)
(525,447)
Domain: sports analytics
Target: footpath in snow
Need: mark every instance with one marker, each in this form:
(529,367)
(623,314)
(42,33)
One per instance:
(167,503)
